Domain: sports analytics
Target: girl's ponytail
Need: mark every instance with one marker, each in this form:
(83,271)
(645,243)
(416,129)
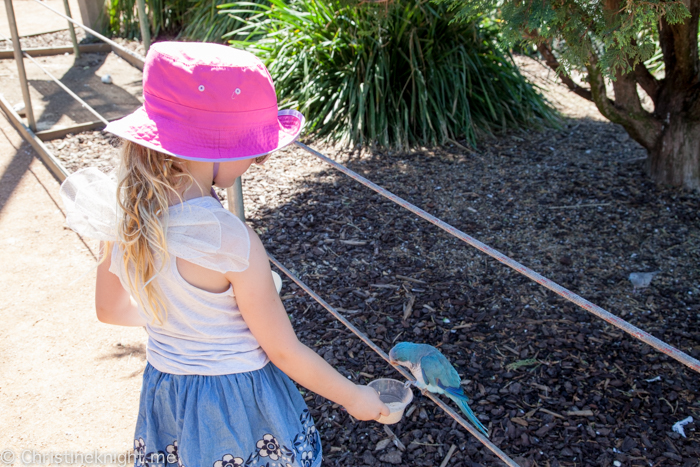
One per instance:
(146,184)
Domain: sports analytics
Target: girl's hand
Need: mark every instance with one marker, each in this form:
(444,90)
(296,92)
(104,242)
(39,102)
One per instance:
(263,312)
(366,404)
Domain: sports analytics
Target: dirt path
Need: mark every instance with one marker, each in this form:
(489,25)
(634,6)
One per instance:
(34,19)
(67,382)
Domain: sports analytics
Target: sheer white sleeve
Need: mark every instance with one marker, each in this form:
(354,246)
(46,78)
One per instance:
(202,232)
(198,230)
(90,199)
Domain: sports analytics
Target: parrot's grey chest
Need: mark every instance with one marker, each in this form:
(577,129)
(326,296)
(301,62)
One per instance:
(421,383)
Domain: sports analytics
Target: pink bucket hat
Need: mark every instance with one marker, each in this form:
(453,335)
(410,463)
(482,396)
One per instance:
(208,102)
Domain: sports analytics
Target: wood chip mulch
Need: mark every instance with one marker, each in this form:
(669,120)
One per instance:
(555,385)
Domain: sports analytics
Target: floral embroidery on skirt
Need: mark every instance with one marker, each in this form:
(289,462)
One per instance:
(208,421)
(271,453)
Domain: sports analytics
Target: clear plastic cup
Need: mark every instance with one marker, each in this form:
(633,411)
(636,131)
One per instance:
(278,281)
(395,395)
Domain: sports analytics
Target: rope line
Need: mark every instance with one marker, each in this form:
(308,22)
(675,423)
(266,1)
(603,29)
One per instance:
(619,323)
(470,428)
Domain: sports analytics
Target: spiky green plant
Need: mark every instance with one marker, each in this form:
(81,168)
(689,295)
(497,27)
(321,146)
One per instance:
(208,23)
(123,19)
(196,20)
(398,74)
(164,16)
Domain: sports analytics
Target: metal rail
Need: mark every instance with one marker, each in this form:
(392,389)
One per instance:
(46,51)
(71,93)
(49,159)
(468,426)
(620,323)
(71,29)
(143,24)
(234,195)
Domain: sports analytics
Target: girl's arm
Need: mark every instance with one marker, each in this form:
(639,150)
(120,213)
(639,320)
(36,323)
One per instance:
(267,319)
(113,304)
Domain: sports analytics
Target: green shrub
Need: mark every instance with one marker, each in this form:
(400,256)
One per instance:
(196,20)
(208,23)
(399,74)
(165,16)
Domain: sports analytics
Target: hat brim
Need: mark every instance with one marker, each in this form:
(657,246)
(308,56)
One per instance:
(192,143)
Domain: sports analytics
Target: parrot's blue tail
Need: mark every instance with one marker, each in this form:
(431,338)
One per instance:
(464,407)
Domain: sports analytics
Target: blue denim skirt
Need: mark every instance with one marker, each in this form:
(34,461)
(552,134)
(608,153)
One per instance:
(248,419)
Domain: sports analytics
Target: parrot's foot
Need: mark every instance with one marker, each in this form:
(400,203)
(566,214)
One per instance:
(423,390)
(410,383)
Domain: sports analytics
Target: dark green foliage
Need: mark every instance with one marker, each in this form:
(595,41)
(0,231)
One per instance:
(123,19)
(196,20)
(165,16)
(208,23)
(398,74)
(619,40)
(649,45)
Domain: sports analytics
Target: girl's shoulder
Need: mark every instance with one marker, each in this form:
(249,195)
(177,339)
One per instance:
(203,232)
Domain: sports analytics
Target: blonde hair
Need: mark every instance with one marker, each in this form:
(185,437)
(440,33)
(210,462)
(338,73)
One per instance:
(147,180)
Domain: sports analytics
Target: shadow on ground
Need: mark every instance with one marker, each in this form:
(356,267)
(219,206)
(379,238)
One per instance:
(13,173)
(110,101)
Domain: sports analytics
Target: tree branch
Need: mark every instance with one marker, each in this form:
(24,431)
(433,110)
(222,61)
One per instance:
(627,109)
(626,95)
(647,81)
(554,64)
(597,82)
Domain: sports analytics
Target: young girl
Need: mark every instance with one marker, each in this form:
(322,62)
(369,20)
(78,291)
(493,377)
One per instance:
(220,345)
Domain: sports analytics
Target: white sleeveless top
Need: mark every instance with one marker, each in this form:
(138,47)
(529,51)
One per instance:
(204,332)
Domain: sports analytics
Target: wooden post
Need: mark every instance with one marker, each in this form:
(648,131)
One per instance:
(234,195)
(17,48)
(93,14)
(76,49)
(143,22)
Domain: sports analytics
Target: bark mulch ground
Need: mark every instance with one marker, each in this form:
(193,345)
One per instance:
(555,385)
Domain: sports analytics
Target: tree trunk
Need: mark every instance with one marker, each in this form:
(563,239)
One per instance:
(675,160)
(671,133)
